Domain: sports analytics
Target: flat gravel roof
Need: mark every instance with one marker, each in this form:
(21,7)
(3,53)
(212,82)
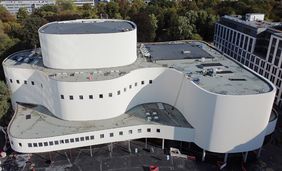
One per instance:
(231,78)
(176,51)
(87,27)
(42,123)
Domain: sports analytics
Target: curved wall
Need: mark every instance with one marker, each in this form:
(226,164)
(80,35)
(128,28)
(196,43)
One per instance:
(222,123)
(82,51)
(226,123)
(166,132)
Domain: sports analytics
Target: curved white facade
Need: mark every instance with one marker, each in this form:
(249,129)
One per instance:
(222,123)
(218,120)
(82,51)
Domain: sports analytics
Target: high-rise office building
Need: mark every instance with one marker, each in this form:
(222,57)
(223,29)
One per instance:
(254,42)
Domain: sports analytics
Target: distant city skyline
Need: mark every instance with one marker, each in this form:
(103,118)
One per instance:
(13,6)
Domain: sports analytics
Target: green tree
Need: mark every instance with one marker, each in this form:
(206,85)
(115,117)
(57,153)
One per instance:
(205,24)
(101,8)
(168,25)
(48,12)
(124,7)
(185,29)
(87,11)
(66,5)
(112,9)
(5,41)
(22,14)
(147,26)
(135,7)
(30,30)
(4,99)
(5,16)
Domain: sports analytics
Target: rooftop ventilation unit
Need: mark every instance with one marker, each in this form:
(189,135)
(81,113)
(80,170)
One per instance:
(186,51)
(19,59)
(237,79)
(26,60)
(160,106)
(35,61)
(156,117)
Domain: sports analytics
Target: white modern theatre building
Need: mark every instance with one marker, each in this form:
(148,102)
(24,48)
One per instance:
(91,83)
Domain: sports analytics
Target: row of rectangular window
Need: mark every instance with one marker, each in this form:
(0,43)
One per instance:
(78,139)
(71,97)
(25,82)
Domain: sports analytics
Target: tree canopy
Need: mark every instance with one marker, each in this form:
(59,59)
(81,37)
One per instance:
(4,99)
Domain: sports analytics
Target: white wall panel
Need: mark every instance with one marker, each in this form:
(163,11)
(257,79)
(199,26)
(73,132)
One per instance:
(222,123)
(88,50)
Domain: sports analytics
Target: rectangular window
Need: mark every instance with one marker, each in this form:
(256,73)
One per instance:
(150,81)
(100,96)
(25,82)
(139,130)
(124,89)
(110,94)
(76,139)
(90,96)
(71,97)
(81,97)
(87,138)
(34,144)
(18,81)
(142,82)
(111,134)
(11,81)
(118,92)
(148,129)
(40,144)
(51,143)
(62,97)
(130,86)
(32,82)
(135,84)
(67,140)
(81,138)
(29,145)
(92,137)
(130,131)
(72,140)
(251,65)
(158,130)
(102,136)
(120,133)
(274,70)
(45,143)
(20,144)
(62,141)
(56,142)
